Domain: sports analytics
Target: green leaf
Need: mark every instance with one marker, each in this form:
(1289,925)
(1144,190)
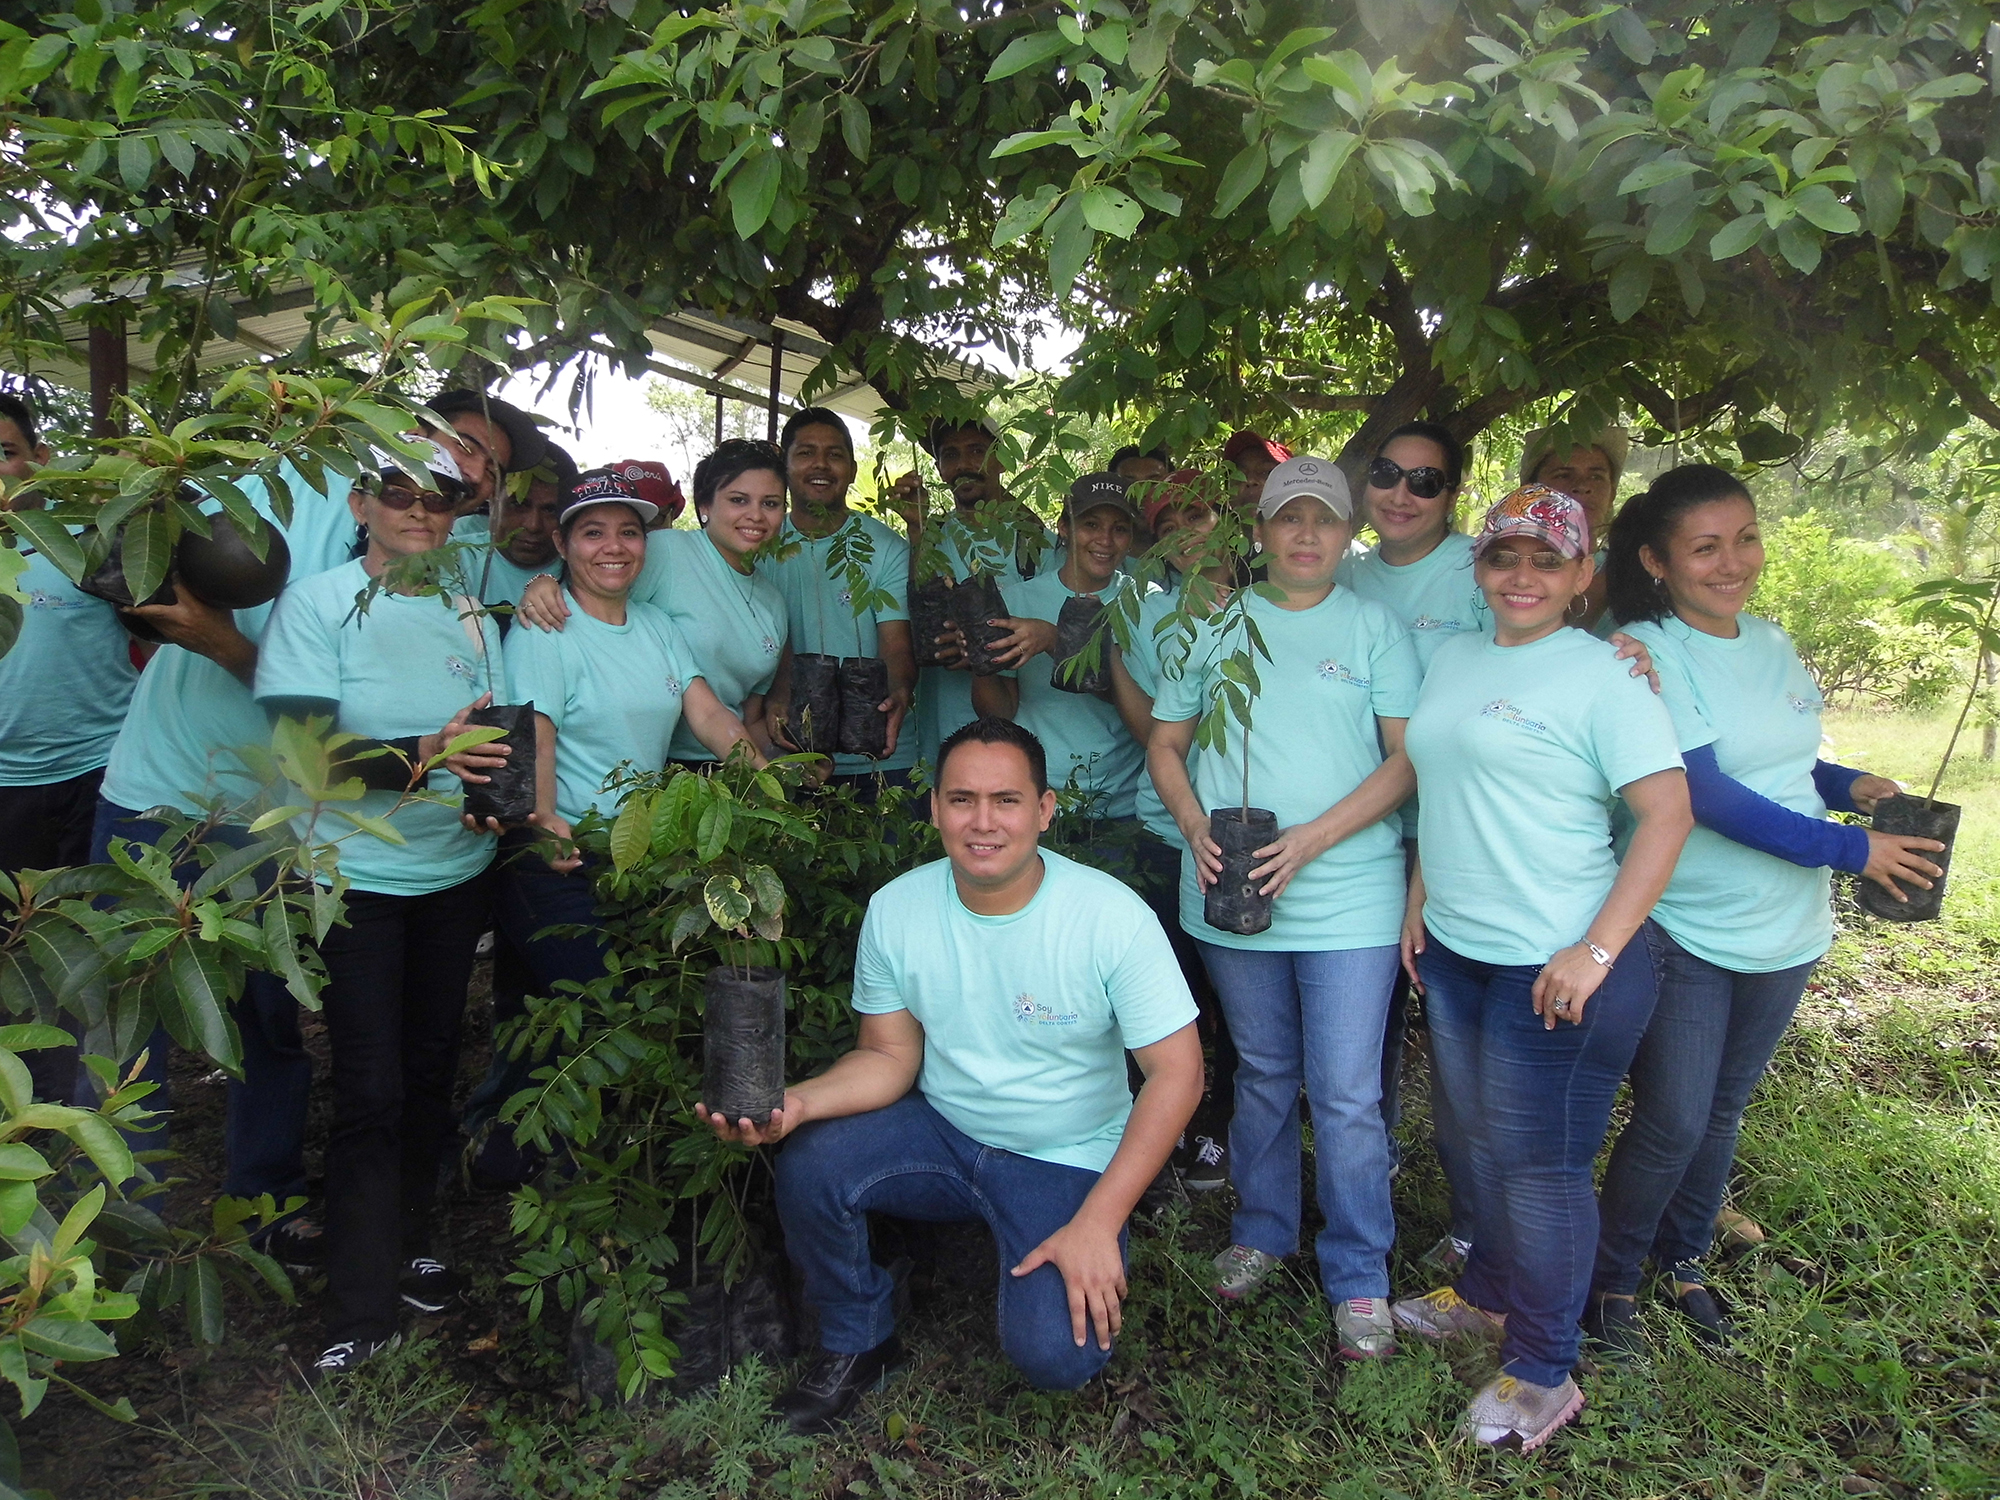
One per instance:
(753,189)
(1630,286)
(102,1144)
(19,1163)
(1817,205)
(204,994)
(1799,245)
(33,1037)
(18,1202)
(855,128)
(1070,239)
(204,1303)
(49,537)
(712,836)
(1026,52)
(631,835)
(727,902)
(1239,179)
(1110,211)
(68,1338)
(1323,160)
(147,552)
(1737,236)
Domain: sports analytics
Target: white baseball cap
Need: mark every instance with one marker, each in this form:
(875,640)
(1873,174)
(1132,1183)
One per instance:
(1318,477)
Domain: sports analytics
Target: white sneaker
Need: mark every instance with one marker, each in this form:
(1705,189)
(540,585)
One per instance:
(1364,1328)
(1510,1411)
(1240,1271)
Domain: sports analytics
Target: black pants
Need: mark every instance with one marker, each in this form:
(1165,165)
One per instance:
(47,827)
(394,1004)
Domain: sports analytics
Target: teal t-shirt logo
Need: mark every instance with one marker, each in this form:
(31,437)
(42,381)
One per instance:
(675,687)
(459,667)
(1333,671)
(1030,1010)
(1805,705)
(38,599)
(1507,713)
(1432,622)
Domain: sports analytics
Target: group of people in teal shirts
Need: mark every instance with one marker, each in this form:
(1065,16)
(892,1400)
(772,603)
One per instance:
(1585,878)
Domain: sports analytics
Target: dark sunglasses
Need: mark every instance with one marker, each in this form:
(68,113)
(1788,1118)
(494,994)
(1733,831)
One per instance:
(1506,559)
(1425,483)
(402,497)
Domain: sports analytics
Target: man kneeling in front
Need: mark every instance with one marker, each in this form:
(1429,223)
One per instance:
(1005,983)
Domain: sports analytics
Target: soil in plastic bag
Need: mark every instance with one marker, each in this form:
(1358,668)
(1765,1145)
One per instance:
(1080,619)
(864,726)
(1914,817)
(509,792)
(930,613)
(222,569)
(743,1042)
(815,713)
(1234,904)
(973,603)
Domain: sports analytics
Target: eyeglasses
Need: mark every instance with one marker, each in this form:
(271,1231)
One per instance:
(1506,559)
(401,497)
(1426,483)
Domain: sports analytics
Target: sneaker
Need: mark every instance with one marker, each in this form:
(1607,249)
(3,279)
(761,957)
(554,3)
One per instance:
(1611,1330)
(1705,1311)
(1444,1315)
(1513,1411)
(1365,1328)
(1207,1165)
(1447,1257)
(349,1354)
(429,1286)
(298,1244)
(827,1391)
(1239,1271)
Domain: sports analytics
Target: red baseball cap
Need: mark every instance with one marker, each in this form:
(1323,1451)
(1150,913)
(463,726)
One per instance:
(1176,490)
(649,480)
(1246,442)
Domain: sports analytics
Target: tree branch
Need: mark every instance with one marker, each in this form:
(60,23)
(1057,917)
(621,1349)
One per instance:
(1971,395)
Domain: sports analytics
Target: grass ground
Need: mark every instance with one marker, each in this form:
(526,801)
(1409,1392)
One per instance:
(1870,1365)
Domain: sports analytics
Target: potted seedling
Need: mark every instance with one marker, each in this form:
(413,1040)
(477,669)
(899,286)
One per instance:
(836,700)
(1082,664)
(1961,608)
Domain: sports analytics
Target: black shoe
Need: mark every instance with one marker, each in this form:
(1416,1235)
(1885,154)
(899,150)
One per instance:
(1710,1319)
(339,1359)
(826,1393)
(1611,1329)
(429,1285)
(502,1164)
(1206,1166)
(298,1244)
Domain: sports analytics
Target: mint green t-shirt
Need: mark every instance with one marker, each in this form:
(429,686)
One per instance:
(1026,1017)
(613,693)
(405,667)
(820,607)
(65,684)
(1333,671)
(734,623)
(1154,656)
(944,697)
(1084,736)
(189,716)
(1434,597)
(1520,752)
(1753,700)
(493,578)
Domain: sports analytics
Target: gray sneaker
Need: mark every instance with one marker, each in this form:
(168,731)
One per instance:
(1443,1315)
(1510,1411)
(1239,1271)
(1364,1328)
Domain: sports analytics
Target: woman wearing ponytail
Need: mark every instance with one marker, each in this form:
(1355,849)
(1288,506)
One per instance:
(1746,915)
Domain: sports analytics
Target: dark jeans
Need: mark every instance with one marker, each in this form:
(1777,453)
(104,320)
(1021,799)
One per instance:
(48,827)
(394,1005)
(264,1127)
(528,897)
(1447,1135)
(1535,1104)
(908,1161)
(1160,885)
(1711,1037)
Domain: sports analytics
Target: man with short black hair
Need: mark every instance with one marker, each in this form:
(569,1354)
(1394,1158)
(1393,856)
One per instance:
(1134,466)
(999,989)
(488,439)
(519,534)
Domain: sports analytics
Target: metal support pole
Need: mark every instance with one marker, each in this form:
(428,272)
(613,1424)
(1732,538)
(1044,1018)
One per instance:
(110,376)
(718,421)
(777,370)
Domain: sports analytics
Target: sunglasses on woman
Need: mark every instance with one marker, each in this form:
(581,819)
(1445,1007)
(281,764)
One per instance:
(402,497)
(1426,483)
(1506,559)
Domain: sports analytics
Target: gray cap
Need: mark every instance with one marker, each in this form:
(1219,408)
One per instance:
(1318,477)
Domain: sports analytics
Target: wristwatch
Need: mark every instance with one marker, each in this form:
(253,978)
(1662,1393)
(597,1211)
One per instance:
(1598,953)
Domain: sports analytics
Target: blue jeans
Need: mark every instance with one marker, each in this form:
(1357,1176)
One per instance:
(528,897)
(910,1162)
(1711,1038)
(1534,1103)
(264,1128)
(1314,1019)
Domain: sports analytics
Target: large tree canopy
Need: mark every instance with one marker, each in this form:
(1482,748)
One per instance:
(1727,215)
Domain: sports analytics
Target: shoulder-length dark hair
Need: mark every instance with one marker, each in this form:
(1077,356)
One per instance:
(734,457)
(1650,520)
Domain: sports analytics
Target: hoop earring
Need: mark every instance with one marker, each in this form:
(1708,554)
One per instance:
(1570,611)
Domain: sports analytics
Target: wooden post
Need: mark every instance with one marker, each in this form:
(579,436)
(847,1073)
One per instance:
(110,376)
(777,370)
(718,421)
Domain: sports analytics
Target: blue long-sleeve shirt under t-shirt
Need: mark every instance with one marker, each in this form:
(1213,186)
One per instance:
(1730,808)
